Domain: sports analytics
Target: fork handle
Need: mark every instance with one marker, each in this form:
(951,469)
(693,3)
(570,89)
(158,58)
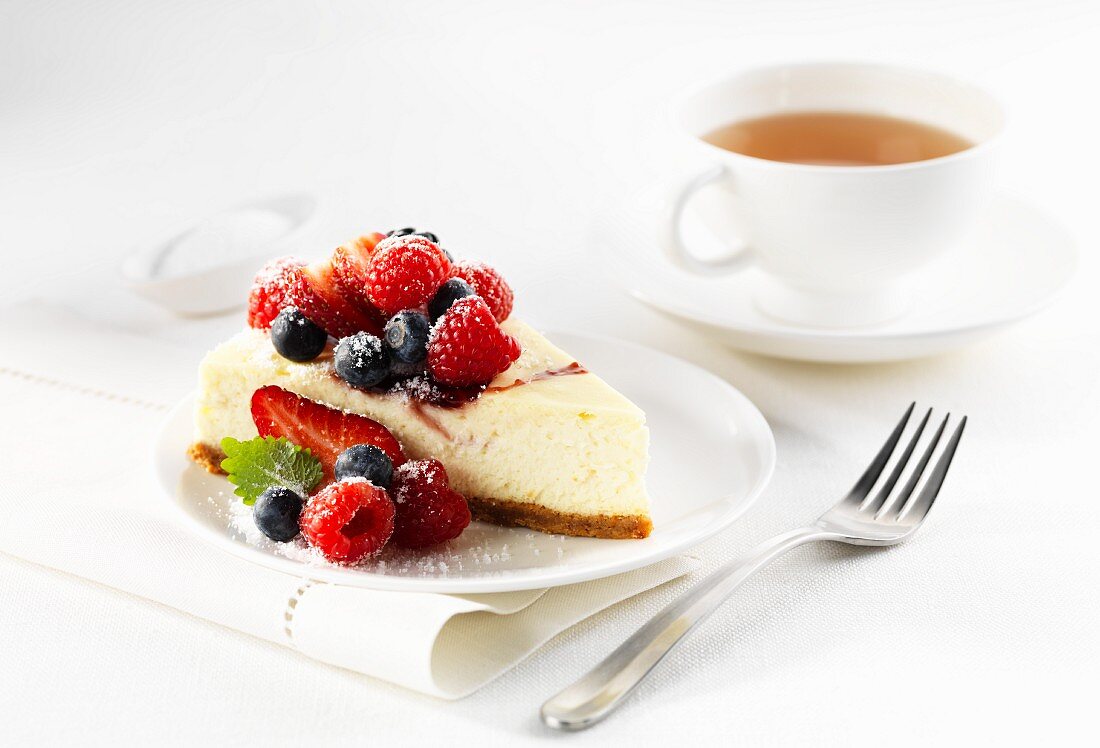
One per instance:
(600,692)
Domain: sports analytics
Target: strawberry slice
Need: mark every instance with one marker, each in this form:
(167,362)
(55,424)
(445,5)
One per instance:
(325,431)
(314,292)
(365,319)
(349,265)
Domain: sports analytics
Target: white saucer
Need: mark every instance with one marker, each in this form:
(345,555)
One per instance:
(712,454)
(1015,265)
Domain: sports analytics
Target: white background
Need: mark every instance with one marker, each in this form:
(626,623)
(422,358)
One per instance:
(496,124)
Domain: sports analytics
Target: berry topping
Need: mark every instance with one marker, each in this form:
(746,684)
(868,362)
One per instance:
(361,360)
(277,512)
(348,521)
(450,292)
(269,290)
(295,337)
(263,462)
(365,461)
(467,347)
(326,432)
(489,285)
(405,272)
(401,232)
(314,291)
(429,511)
(406,336)
(349,267)
(429,236)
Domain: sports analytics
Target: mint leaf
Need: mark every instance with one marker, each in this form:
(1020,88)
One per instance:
(258,464)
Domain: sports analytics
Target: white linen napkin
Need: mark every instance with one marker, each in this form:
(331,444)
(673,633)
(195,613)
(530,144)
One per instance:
(80,408)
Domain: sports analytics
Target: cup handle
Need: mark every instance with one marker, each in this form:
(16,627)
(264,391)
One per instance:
(672,240)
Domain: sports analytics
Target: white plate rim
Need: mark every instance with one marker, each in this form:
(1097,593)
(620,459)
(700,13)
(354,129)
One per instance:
(166,475)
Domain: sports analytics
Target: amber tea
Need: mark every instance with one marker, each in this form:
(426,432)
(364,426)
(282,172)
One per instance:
(837,139)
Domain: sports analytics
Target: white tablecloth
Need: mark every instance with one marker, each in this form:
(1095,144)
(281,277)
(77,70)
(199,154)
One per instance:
(496,125)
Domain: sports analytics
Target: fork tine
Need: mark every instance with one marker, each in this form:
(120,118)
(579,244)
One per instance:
(895,508)
(923,503)
(884,492)
(867,481)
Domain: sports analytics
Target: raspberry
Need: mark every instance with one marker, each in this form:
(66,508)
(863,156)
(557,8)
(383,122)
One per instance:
(429,511)
(467,346)
(348,521)
(404,272)
(325,431)
(268,295)
(489,285)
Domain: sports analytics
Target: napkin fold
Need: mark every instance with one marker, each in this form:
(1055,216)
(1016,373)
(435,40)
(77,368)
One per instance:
(81,406)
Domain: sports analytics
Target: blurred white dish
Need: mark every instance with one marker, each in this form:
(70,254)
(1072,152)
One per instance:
(207,267)
(712,454)
(1017,262)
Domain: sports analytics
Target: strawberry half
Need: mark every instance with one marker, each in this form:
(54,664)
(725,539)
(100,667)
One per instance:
(349,265)
(326,432)
(315,293)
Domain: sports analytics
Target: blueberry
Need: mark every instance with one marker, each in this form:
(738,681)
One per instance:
(365,461)
(407,336)
(276,513)
(450,257)
(401,232)
(295,337)
(362,360)
(448,293)
(429,236)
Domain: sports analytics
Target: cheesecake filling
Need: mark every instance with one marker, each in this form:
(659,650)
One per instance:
(547,445)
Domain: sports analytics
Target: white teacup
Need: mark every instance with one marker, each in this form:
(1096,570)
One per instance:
(837,243)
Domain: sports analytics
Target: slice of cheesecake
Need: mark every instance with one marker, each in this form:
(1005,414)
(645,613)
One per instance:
(547,445)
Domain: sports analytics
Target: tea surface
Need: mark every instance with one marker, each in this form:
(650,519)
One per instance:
(837,139)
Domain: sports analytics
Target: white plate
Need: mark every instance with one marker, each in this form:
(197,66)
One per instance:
(1016,264)
(712,455)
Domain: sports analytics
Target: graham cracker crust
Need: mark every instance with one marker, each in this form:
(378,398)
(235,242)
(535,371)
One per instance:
(207,456)
(506,513)
(526,514)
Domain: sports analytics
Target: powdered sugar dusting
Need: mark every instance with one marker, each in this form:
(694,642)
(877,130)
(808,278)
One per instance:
(420,387)
(240,519)
(362,349)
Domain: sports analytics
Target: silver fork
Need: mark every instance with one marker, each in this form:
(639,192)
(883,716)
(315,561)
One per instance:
(860,518)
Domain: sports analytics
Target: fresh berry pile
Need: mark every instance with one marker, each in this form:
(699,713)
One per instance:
(399,306)
(365,494)
(402,311)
